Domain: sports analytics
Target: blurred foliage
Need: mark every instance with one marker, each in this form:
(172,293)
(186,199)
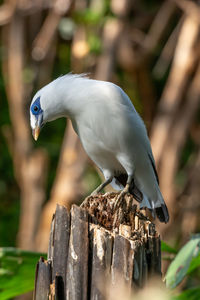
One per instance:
(17,271)
(186,262)
(185,267)
(190,294)
(166,248)
(9,192)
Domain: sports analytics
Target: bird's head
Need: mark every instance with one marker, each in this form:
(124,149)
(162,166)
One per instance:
(56,100)
(36,117)
(47,105)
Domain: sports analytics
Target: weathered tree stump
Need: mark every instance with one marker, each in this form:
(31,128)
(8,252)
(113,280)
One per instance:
(88,254)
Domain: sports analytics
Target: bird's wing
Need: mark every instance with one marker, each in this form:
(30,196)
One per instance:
(154,166)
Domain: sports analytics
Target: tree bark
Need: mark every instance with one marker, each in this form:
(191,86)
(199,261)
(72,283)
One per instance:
(93,250)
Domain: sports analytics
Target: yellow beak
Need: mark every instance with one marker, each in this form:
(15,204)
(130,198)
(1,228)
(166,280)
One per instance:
(36,133)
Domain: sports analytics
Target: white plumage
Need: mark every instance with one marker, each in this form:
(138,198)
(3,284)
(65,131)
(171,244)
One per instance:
(111,131)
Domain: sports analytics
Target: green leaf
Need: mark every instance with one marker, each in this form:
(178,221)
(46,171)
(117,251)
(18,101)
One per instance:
(182,262)
(195,263)
(167,248)
(17,271)
(190,294)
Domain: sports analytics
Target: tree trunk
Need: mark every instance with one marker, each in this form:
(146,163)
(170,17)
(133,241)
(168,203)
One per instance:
(93,250)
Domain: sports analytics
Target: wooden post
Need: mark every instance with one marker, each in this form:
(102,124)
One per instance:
(88,254)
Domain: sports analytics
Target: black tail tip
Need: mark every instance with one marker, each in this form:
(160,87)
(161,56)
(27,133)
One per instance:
(162,213)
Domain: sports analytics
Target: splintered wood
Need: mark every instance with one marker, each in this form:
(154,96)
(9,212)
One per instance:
(94,251)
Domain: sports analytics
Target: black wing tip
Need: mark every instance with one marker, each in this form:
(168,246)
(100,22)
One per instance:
(154,168)
(162,213)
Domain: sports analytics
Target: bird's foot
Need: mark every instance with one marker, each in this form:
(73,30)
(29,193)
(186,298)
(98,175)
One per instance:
(120,197)
(118,201)
(107,194)
(85,201)
(117,209)
(93,194)
(118,216)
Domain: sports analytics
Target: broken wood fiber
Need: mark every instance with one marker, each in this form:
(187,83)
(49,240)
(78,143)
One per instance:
(93,249)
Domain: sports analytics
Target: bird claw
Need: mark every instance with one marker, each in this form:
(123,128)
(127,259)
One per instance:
(120,197)
(93,194)
(118,211)
(85,201)
(118,202)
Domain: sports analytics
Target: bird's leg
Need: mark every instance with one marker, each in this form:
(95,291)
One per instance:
(102,186)
(123,192)
(98,189)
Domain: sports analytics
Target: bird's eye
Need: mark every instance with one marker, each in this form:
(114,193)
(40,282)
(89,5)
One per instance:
(36,108)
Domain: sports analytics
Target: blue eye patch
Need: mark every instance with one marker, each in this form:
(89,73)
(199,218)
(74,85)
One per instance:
(36,108)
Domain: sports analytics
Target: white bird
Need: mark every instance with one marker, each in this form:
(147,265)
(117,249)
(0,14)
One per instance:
(111,131)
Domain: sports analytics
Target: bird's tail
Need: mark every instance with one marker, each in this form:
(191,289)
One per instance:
(162,213)
(156,206)
(158,209)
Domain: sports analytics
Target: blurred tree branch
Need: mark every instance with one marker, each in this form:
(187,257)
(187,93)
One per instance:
(173,148)
(181,69)
(29,165)
(189,200)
